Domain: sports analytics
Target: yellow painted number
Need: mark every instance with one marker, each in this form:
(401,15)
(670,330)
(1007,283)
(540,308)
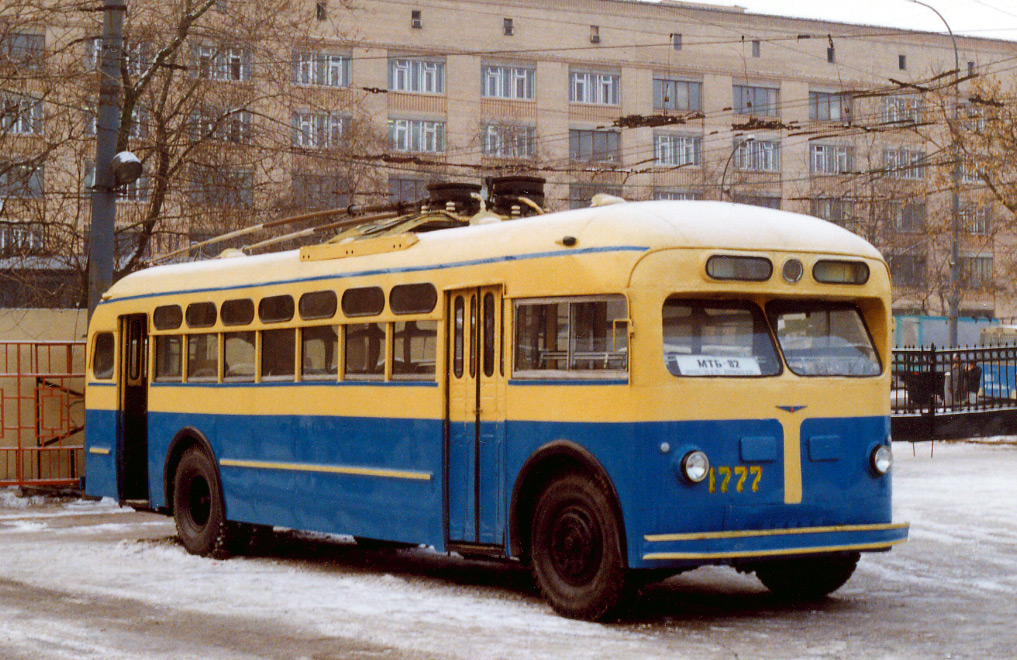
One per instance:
(725,472)
(741,473)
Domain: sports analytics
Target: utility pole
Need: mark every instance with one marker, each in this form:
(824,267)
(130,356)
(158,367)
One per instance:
(104,209)
(954,301)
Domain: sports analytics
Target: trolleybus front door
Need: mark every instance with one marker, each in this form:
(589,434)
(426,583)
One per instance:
(132,426)
(475,417)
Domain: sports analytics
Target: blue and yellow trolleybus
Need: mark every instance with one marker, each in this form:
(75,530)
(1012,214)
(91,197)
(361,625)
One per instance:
(611,393)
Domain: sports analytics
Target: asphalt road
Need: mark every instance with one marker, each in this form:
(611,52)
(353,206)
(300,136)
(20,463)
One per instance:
(90,580)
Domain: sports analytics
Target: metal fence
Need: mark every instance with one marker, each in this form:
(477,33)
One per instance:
(42,413)
(954,392)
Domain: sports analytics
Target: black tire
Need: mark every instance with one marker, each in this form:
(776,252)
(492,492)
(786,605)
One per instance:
(198,506)
(806,579)
(575,549)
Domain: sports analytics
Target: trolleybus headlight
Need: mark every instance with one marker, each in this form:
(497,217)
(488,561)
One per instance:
(881,459)
(695,466)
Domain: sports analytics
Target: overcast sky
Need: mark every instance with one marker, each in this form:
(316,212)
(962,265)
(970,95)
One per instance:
(996,19)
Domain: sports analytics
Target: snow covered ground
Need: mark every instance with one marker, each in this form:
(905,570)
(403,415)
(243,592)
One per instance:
(88,580)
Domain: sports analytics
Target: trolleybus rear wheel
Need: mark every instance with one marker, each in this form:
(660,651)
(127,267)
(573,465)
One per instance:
(808,578)
(198,506)
(576,551)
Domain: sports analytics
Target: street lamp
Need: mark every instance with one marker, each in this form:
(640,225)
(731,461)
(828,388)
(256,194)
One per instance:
(723,177)
(954,245)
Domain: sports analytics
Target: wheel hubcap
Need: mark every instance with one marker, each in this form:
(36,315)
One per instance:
(576,546)
(199,501)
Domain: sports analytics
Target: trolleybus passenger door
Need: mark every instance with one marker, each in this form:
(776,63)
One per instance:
(132,426)
(476,417)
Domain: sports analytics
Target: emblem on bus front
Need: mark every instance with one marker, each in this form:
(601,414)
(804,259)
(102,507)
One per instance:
(791,409)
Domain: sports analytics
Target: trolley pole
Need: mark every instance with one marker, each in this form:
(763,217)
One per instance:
(104,209)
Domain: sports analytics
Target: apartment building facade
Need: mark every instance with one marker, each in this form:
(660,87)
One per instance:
(663,100)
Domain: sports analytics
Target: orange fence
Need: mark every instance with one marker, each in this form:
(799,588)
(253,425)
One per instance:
(42,413)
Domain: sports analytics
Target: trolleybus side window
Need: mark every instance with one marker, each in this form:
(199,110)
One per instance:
(365,351)
(203,357)
(707,338)
(824,339)
(275,309)
(102,356)
(167,317)
(318,305)
(413,298)
(459,316)
(238,312)
(319,352)
(414,348)
(238,354)
(365,301)
(574,336)
(168,357)
(278,353)
(201,315)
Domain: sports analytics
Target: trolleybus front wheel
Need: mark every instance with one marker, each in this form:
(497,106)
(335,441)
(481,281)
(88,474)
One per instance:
(807,578)
(198,506)
(576,551)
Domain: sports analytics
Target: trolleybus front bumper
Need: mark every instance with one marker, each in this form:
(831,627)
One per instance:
(719,547)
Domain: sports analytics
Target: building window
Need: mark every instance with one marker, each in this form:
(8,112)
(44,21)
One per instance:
(835,210)
(756,48)
(594,34)
(321,69)
(908,217)
(676,40)
(829,106)
(508,27)
(754,100)
(904,163)
(136,191)
(416,19)
(902,62)
(22,180)
(222,186)
(765,201)
(594,88)
(318,130)
(20,115)
(681,95)
(234,126)
(907,270)
(975,272)
(830,159)
(670,149)
(25,51)
(976,218)
(21,238)
(507,82)
(970,174)
(416,76)
(221,63)
(508,140)
(581,194)
(831,55)
(594,146)
(902,109)
(321,191)
(416,135)
(321,10)
(677,195)
(406,190)
(757,155)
